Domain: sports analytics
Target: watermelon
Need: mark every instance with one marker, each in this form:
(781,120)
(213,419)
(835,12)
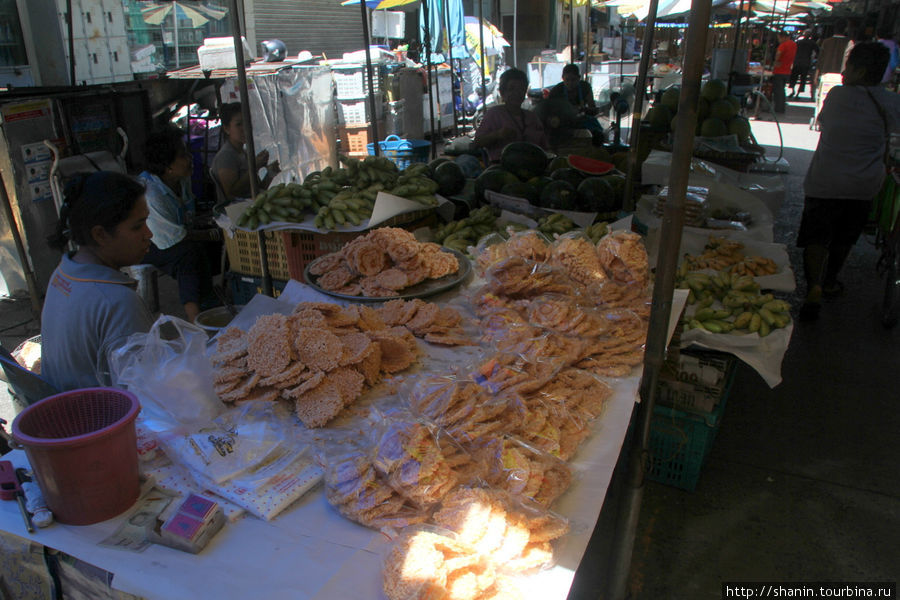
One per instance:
(595,194)
(560,162)
(450,178)
(703,108)
(590,166)
(523,159)
(560,195)
(492,179)
(521,190)
(659,117)
(539,183)
(567,174)
(740,126)
(433,165)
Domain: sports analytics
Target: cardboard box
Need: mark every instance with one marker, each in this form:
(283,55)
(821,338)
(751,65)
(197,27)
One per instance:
(696,381)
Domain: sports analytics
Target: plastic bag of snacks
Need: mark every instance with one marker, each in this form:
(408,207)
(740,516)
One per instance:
(356,489)
(514,534)
(523,470)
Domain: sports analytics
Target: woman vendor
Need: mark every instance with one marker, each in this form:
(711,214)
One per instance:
(91,307)
(509,122)
(177,248)
(229,168)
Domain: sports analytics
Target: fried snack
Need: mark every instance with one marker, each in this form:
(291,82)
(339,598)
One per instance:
(578,257)
(354,488)
(497,526)
(523,470)
(269,349)
(624,257)
(435,324)
(517,277)
(464,409)
(427,565)
(515,374)
(530,245)
(412,460)
(320,349)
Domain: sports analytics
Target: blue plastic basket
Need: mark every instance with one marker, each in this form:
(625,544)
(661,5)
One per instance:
(402,152)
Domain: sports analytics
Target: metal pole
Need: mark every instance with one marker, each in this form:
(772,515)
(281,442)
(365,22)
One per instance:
(370,75)
(482,52)
(71,30)
(175,28)
(20,250)
(669,245)
(637,111)
(737,43)
(433,145)
(445,12)
(571,31)
(515,32)
(249,147)
(762,73)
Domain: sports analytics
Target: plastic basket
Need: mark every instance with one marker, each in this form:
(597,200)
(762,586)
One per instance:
(355,138)
(302,247)
(680,441)
(403,152)
(352,81)
(83,450)
(244,287)
(356,112)
(243,253)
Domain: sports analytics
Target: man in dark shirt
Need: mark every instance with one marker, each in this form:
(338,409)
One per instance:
(806,48)
(580,94)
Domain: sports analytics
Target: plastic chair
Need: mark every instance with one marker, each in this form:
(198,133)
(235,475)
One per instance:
(25,385)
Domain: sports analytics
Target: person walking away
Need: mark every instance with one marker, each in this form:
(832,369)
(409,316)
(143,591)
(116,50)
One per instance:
(803,60)
(831,54)
(781,69)
(885,37)
(229,167)
(846,171)
(509,122)
(91,307)
(177,247)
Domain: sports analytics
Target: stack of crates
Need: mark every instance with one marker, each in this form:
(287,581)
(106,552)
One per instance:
(354,110)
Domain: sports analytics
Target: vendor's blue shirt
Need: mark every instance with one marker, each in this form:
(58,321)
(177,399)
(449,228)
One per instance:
(89,310)
(170,214)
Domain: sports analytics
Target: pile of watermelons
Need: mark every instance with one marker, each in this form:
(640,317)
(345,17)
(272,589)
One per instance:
(717,112)
(580,183)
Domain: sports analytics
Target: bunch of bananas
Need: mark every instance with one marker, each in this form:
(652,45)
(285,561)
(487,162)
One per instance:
(463,233)
(340,196)
(744,309)
(597,231)
(555,223)
(755,266)
(721,253)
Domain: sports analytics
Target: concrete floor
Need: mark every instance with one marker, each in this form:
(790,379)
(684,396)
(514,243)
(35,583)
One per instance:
(801,483)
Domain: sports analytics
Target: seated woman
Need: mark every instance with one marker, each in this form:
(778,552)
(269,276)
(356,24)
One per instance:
(509,122)
(229,167)
(91,307)
(580,95)
(176,248)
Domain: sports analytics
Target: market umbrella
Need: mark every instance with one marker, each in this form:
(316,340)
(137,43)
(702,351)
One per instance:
(194,12)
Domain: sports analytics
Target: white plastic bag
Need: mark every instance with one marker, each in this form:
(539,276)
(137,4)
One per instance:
(169,371)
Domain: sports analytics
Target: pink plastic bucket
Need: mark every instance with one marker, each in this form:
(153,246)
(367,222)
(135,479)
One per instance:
(83,450)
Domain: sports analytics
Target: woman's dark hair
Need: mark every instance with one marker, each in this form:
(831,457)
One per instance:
(511,75)
(873,57)
(571,68)
(162,148)
(101,198)
(228,112)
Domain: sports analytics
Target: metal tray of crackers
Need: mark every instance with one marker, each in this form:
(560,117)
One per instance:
(427,288)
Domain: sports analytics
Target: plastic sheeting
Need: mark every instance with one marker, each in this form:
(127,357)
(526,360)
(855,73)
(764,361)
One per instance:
(293,118)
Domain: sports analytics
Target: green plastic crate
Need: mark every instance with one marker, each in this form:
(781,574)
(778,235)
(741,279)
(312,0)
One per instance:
(680,441)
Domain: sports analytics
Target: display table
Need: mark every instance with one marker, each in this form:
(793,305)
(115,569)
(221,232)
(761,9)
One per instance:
(310,551)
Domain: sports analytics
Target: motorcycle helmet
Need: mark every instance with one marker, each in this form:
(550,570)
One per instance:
(274,51)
